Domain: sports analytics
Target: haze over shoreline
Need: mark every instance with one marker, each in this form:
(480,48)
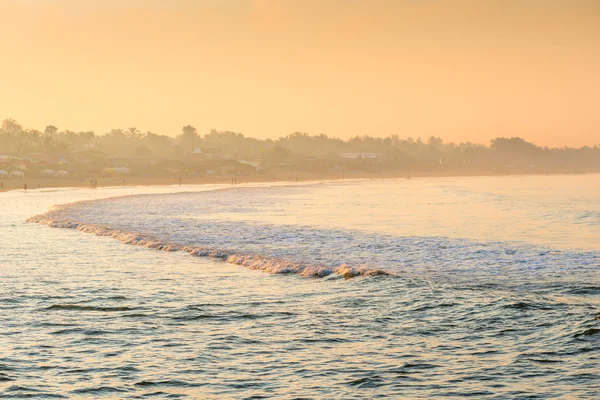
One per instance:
(465,70)
(12,126)
(55,158)
(432,165)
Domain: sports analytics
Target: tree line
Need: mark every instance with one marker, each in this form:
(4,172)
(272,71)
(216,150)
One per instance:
(393,150)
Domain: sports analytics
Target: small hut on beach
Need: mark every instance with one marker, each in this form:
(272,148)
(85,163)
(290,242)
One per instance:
(47,173)
(61,174)
(117,171)
(17,175)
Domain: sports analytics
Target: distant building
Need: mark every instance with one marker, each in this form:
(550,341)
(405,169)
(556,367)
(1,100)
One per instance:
(9,160)
(255,164)
(356,156)
(208,152)
(39,157)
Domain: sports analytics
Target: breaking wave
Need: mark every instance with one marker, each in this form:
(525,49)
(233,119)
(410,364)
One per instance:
(507,286)
(271,265)
(322,230)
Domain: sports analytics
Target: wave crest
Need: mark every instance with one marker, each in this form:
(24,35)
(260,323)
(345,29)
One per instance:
(272,265)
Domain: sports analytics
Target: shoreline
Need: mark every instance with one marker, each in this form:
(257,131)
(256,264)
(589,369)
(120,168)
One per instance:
(255,259)
(138,181)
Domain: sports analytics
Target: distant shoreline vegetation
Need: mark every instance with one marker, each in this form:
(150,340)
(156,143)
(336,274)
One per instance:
(86,154)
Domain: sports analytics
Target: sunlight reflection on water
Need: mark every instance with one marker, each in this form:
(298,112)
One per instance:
(87,316)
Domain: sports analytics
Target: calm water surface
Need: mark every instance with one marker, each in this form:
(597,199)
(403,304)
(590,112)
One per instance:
(493,291)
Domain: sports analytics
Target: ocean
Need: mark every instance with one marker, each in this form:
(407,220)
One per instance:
(486,287)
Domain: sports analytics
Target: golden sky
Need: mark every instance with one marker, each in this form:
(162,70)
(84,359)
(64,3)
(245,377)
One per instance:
(465,70)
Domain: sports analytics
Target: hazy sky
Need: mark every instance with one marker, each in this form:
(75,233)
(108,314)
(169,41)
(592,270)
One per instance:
(462,70)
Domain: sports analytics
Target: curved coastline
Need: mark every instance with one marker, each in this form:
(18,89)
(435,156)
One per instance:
(273,250)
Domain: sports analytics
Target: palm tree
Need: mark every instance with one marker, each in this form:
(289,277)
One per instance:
(134,133)
(50,131)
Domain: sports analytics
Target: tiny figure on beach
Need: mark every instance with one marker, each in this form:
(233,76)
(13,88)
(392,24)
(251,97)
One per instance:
(25,187)
(180,180)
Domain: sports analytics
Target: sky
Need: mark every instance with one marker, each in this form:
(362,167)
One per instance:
(464,70)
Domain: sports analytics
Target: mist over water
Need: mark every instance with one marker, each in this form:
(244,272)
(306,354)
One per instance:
(492,292)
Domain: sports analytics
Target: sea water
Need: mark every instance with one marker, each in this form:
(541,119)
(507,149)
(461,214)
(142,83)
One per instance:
(485,287)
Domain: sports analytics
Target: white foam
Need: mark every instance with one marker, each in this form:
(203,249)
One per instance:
(257,228)
(267,264)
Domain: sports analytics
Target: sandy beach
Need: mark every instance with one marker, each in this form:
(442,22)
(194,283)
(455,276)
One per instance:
(44,183)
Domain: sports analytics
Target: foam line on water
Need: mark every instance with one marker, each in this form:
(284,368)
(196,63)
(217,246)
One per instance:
(272,265)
